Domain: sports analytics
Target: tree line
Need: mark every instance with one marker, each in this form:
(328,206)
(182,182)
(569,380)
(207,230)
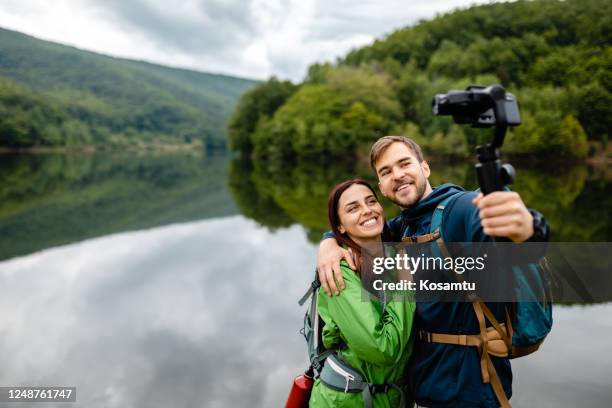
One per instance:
(555,56)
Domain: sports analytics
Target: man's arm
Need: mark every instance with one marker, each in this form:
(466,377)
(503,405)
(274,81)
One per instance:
(505,215)
(330,254)
(476,217)
(328,264)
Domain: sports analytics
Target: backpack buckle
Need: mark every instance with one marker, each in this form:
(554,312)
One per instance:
(425,336)
(379,388)
(409,238)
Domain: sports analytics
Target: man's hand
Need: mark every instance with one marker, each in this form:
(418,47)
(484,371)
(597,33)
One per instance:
(503,214)
(328,265)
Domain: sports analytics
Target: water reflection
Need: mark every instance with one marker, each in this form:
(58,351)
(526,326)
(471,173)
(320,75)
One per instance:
(575,199)
(50,200)
(197,305)
(55,199)
(204,314)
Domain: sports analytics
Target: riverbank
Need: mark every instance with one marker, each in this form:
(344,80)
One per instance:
(600,158)
(142,147)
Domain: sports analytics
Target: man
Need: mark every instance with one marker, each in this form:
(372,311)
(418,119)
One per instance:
(441,375)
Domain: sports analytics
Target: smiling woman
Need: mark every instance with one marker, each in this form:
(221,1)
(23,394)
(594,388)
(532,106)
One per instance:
(360,213)
(369,341)
(356,217)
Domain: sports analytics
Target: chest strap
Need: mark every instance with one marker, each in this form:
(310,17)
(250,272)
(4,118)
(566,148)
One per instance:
(422,239)
(495,344)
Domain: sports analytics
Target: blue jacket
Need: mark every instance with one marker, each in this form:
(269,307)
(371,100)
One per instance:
(447,375)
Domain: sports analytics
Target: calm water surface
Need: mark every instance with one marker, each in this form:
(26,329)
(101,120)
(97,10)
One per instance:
(172,280)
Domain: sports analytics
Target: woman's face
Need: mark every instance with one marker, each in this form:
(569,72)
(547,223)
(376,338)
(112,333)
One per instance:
(361,215)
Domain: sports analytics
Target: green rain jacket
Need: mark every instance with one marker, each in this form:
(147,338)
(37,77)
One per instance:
(378,343)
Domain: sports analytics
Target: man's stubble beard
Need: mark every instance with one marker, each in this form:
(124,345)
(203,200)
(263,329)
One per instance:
(421,186)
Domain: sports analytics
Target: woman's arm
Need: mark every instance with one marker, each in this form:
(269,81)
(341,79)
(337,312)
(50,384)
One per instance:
(376,338)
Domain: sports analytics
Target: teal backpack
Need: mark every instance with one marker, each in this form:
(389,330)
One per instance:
(524,327)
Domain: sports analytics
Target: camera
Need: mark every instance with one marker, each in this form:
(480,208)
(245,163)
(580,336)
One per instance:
(484,107)
(479,106)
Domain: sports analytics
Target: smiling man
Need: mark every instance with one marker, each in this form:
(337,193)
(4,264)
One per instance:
(401,170)
(442,375)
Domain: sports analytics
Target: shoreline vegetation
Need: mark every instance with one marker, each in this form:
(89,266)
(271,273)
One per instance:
(141,147)
(554,56)
(599,160)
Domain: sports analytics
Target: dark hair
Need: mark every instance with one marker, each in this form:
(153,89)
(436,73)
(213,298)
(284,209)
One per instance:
(334,217)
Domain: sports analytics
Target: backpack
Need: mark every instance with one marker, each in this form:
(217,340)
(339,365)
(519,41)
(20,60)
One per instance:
(328,366)
(525,325)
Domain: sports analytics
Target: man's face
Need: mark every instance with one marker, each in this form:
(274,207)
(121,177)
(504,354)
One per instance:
(401,177)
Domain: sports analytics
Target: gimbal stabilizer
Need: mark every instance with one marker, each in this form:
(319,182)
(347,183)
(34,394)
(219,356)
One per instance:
(482,108)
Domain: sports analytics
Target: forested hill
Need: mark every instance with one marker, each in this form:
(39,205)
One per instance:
(55,95)
(555,56)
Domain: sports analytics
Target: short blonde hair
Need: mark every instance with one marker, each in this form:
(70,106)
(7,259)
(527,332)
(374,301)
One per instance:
(384,142)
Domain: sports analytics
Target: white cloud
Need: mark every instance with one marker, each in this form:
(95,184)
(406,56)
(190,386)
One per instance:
(251,38)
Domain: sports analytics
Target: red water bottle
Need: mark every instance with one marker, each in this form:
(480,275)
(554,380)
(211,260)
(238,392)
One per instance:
(300,391)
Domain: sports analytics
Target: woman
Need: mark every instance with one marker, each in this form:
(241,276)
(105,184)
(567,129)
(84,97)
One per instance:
(371,338)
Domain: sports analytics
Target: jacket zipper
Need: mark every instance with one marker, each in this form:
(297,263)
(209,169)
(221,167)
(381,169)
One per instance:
(347,376)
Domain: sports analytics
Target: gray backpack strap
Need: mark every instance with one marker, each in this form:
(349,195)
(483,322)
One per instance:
(369,391)
(367,397)
(436,218)
(400,385)
(311,290)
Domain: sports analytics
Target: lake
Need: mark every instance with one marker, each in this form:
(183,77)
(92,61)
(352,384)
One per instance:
(148,279)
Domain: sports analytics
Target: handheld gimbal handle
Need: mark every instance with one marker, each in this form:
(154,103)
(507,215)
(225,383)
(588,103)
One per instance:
(492,174)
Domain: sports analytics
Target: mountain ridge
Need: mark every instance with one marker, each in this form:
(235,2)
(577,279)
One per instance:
(88,98)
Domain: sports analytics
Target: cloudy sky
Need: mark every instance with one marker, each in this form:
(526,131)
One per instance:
(249,38)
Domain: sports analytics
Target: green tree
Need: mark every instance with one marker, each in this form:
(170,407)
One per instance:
(261,101)
(595,111)
(352,106)
(572,138)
